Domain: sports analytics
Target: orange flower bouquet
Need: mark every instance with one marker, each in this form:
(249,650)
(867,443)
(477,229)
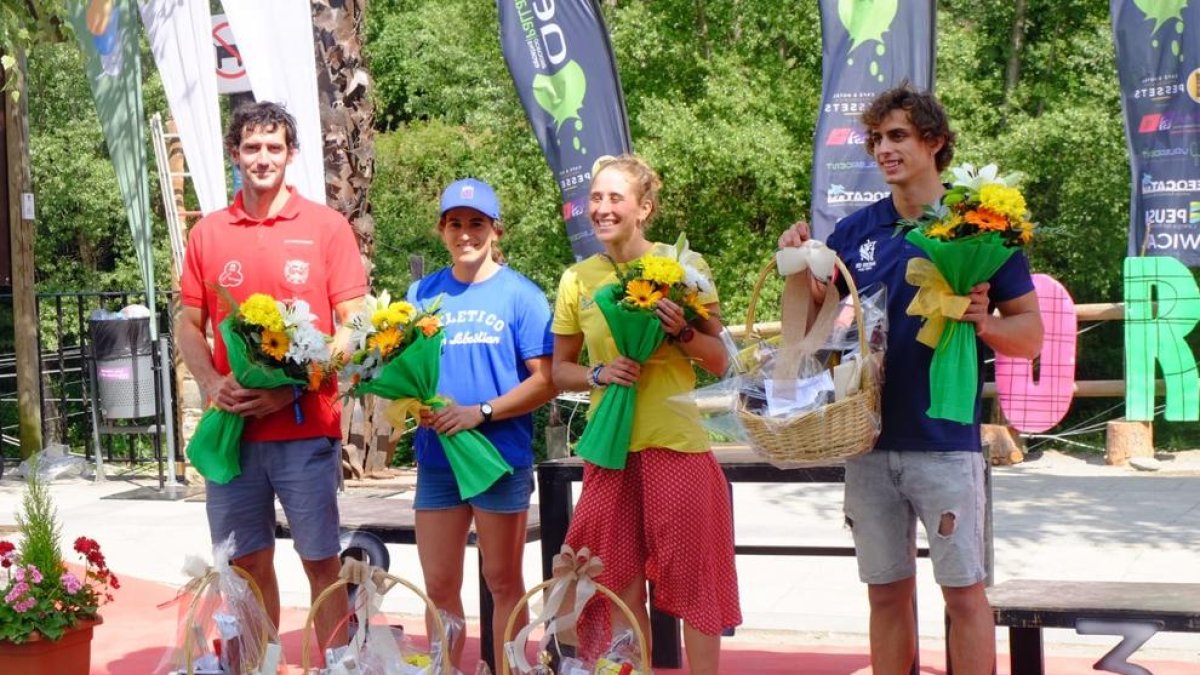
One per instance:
(979,224)
(397,356)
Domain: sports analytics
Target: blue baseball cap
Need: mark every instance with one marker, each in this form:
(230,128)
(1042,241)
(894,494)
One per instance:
(472,193)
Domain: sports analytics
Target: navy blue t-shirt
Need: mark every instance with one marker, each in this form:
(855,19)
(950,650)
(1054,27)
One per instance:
(873,251)
(492,327)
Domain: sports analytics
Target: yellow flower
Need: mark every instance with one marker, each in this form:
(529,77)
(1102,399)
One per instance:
(385,340)
(693,300)
(379,317)
(275,344)
(260,310)
(400,313)
(943,229)
(986,220)
(661,270)
(1026,229)
(643,294)
(1004,200)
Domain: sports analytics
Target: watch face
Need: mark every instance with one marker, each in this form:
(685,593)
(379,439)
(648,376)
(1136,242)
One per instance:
(486,408)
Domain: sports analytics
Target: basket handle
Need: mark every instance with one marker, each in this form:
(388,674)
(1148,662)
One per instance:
(524,601)
(766,270)
(439,626)
(205,582)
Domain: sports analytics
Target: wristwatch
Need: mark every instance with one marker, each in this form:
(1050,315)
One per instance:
(684,336)
(485,409)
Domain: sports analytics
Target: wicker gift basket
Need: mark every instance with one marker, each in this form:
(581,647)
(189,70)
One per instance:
(836,431)
(193,634)
(569,567)
(359,573)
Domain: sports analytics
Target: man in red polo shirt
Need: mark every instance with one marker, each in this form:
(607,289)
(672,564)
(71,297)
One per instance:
(273,241)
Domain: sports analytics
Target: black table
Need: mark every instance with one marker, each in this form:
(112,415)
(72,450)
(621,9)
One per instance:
(393,522)
(740,466)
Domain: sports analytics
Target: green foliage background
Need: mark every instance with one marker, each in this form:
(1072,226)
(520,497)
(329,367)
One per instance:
(722,100)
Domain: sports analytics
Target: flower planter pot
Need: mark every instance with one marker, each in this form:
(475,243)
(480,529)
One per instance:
(69,655)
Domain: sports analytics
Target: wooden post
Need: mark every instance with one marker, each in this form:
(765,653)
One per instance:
(21,244)
(1124,440)
(22,231)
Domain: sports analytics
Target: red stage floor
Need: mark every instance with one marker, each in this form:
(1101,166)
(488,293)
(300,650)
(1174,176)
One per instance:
(136,632)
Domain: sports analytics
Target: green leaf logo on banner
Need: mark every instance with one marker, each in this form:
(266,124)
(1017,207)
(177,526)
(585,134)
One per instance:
(867,20)
(561,95)
(1160,12)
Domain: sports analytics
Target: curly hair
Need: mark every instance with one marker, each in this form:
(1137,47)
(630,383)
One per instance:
(264,115)
(924,111)
(644,179)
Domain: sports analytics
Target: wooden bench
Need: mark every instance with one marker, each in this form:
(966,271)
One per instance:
(393,522)
(1132,610)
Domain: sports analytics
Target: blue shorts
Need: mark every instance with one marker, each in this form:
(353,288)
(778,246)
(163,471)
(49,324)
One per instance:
(437,490)
(304,474)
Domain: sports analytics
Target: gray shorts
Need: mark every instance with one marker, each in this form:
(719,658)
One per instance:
(886,491)
(304,474)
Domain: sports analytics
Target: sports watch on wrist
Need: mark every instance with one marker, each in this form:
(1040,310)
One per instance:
(485,409)
(684,336)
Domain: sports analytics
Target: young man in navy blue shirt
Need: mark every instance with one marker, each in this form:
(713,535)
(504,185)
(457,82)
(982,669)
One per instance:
(921,467)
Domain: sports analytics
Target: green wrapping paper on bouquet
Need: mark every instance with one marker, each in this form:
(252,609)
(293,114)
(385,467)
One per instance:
(978,225)
(410,380)
(637,334)
(954,373)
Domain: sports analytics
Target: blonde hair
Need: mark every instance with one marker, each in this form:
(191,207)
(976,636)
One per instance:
(644,179)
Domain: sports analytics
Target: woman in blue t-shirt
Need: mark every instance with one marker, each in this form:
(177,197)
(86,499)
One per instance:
(496,368)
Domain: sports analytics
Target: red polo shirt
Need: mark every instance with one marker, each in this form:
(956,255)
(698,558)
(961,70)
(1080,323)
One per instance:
(306,251)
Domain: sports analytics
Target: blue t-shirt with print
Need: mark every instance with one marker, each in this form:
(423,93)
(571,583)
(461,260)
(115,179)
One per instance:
(492,327)
(868,243)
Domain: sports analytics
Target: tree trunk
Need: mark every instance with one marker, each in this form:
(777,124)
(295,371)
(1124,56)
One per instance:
(347,116)
(25,323)
(1012,74)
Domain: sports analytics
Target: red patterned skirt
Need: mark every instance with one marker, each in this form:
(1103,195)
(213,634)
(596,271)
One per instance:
(666,516)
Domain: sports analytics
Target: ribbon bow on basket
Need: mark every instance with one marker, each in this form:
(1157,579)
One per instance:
(570,567)
(373,584)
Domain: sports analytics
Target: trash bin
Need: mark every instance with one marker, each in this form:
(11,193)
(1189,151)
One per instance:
(124,367)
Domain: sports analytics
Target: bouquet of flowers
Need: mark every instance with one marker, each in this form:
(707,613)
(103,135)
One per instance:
(979,224)
(41,597)
(397,356)
(270,344)
(628,307)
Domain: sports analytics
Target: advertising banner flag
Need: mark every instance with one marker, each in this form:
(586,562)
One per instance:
(275,42)
(1158,61)
(562,65)
(181,42)
(868,46)
(109,42)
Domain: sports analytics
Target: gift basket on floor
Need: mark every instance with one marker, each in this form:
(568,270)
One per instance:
(374,647)
(225,628)
(811,395)
(573,581)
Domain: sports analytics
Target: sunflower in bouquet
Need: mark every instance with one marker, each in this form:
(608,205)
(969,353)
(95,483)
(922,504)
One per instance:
(396,355)
(270,343)
(628,306)
(981,221)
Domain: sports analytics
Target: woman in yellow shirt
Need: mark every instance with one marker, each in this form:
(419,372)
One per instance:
(665,517)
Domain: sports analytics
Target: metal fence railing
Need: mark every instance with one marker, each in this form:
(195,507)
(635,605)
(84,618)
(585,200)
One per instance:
(68,392)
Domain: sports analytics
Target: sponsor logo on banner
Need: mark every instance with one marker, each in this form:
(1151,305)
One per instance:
(845,136)
(1193,85)
(859,165)
(1194,213)
(1173,241)
(867,21)
(574,209)
(1179,186)
(1152,123)
(1166,216)
(837,194)
(1152,154)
